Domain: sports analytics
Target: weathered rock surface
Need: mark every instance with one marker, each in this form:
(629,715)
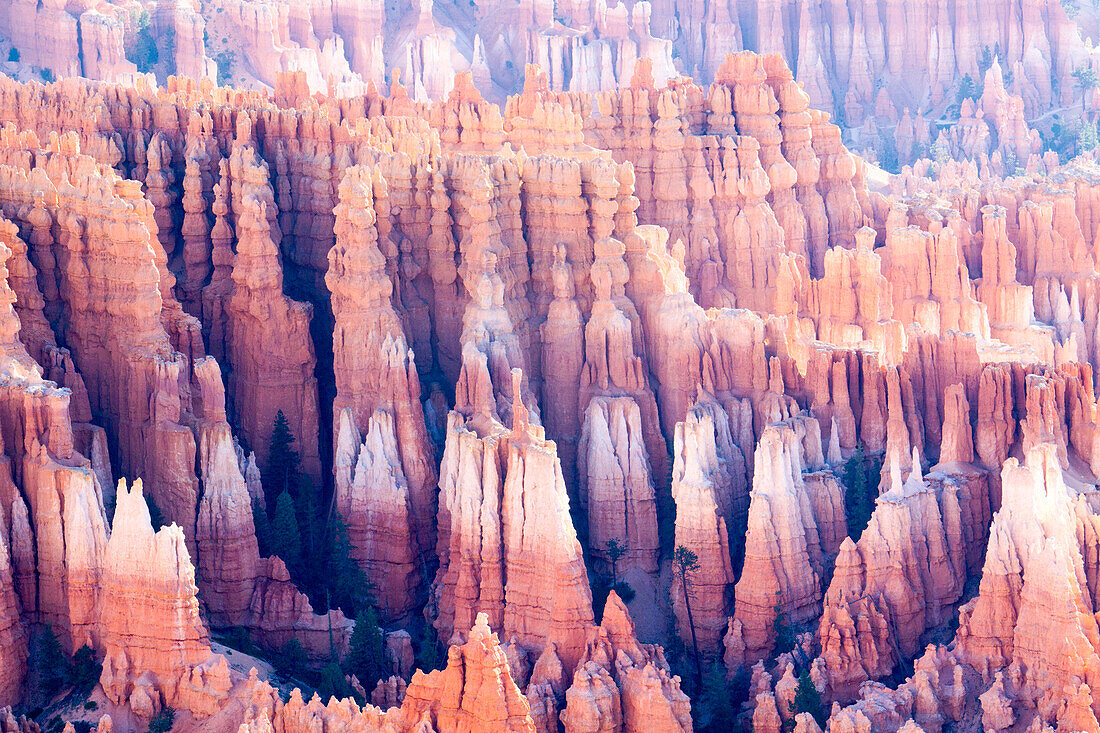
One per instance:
(374,502)
(899,580)
(263,321)
(157,649)
(506,540)
(374,367)
(576,278)
(787,543)
(703,503)
(617,483)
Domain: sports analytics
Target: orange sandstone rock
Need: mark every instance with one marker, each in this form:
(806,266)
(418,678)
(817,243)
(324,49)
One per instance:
(157,648)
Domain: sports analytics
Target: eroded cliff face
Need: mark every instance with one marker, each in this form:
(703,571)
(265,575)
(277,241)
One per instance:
(905,81)
(526,353)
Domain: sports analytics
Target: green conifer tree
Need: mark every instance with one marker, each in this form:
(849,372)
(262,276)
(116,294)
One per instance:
(366,657)
(53,665)
(332,683)
(860,480)
(307,502)
(349,587)
(808,700)
(286,538)
(263,527)
(282,462)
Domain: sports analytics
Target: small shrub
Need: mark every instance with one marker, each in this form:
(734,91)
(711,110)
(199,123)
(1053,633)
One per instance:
(291,658)
(85,669)
(13,55)
(162,722)
(47,76)
(81,726)
(626,593)
(91,705)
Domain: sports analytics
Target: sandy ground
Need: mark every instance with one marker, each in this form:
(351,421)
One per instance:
(650,608)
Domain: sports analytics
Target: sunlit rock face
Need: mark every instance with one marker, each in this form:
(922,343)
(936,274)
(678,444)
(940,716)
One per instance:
(620,381)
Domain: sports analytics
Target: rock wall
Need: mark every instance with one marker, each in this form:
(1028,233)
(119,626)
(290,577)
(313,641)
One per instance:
(544,296)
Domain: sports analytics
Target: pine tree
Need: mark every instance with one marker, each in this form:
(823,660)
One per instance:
(286,538)
(53,665)
(967,89)
(1085,79)
(306,502)
(349,587)
(685,563)
(282,462)
(860,482)
(615,552)
(986,60)
(1086,137)
(263,527)
(366,657)
(808,700)
(291,658)
(86,669)
(430,654)
(332,683)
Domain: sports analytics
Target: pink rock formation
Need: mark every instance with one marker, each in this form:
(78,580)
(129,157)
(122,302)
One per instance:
(373,365)
(459,697)
(784,552)
(279,612)
(616,482)
(666,259)
(476,691)
(1029,611)
(374,502)
(13,638)
(258,311)
(58,534)
(930,282)
(77,39)
(899,580)
(546,594)
(506,541)
(157,648)
(228,554)
(622,685)
(117,349)
(700,489)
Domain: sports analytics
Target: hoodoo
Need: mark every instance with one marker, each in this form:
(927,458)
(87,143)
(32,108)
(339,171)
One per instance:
(549,367)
